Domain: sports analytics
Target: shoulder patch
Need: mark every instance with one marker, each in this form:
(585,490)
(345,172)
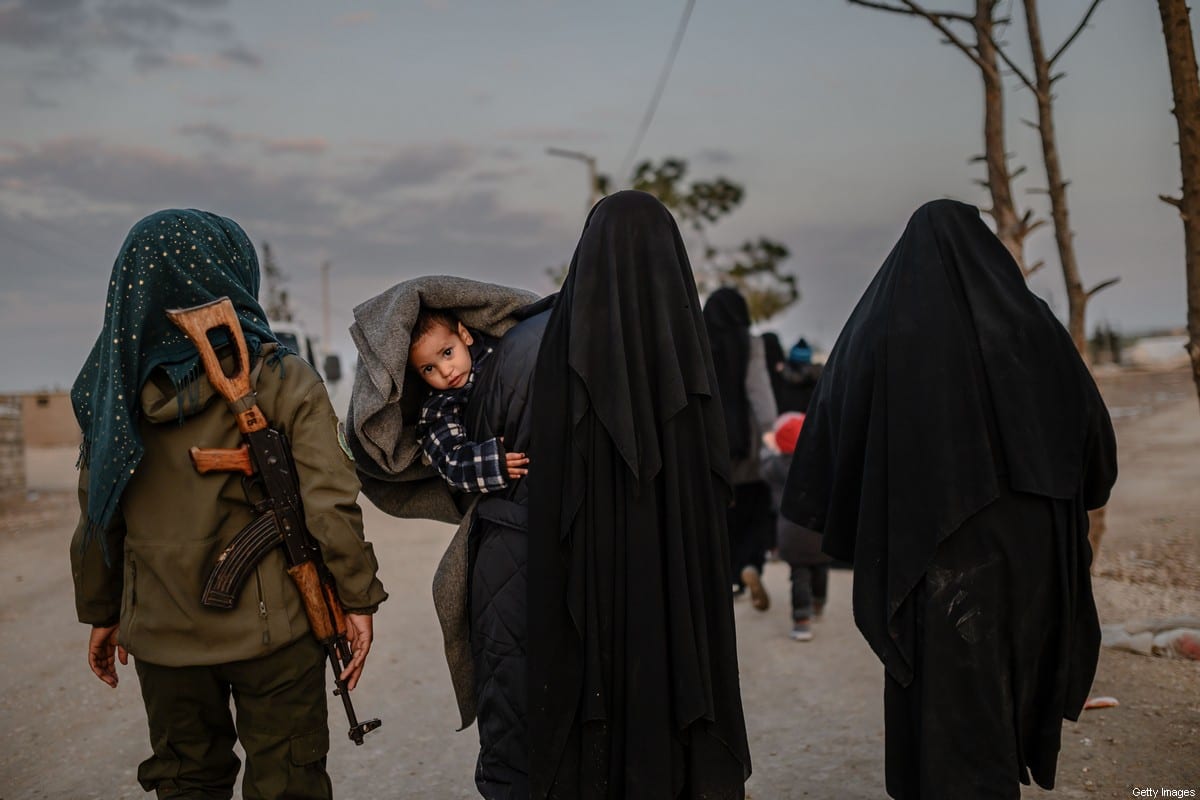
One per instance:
(341,436)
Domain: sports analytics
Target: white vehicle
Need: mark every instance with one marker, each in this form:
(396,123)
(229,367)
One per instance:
(296,339)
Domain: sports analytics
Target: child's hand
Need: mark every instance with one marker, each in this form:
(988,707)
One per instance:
(102,648)
(515,463)
(360,630)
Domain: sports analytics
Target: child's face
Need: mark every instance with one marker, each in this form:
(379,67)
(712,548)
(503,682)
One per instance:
(441,357)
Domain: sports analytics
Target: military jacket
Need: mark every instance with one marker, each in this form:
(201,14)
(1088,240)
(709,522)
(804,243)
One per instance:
(173,523)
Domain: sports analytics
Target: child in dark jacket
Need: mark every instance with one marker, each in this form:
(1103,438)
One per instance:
(445,354)
(798,546)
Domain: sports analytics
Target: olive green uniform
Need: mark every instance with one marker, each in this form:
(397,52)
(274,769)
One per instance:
(163,543)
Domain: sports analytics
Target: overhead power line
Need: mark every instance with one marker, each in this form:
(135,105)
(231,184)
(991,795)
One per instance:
(627,164)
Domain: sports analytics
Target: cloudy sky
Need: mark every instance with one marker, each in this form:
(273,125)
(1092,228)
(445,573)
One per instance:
(396,139)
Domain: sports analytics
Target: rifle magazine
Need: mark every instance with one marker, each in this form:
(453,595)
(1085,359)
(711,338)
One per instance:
(237,560)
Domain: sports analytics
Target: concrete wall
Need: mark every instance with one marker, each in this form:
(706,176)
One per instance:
(39,442)
(51,468)
(12,447)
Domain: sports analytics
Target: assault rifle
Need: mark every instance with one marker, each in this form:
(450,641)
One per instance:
(268,474)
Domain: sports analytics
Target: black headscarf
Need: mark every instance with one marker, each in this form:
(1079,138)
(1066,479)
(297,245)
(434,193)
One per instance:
(633,683)
(175,258)
(946,352)
(727,318)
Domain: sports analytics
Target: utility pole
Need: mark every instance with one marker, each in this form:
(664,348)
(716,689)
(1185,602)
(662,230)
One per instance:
(590,161)
(325,330)
(331,365)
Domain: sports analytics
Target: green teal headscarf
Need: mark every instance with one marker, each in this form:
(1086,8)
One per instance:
(171,259)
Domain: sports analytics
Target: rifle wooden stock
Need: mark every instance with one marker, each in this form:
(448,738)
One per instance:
(323,607)
(219,315)
(214,459)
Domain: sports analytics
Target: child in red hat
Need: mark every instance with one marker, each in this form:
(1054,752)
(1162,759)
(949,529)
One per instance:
(798,546)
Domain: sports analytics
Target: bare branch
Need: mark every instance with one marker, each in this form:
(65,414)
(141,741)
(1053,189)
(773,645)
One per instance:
(1028,224)
(982,182)
(976,159)
(1016,173)
(1033,268)
(912,11)
(1101,286)
(1070,39)
(1037,190)
(882,7)
(1013,66)
(1030,123)
(1033,226)
(1172,201)
(936,20)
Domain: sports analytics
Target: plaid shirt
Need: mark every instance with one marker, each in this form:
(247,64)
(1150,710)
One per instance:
(467,466)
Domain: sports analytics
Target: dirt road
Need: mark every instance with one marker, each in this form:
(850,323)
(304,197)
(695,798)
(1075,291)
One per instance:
(814,710)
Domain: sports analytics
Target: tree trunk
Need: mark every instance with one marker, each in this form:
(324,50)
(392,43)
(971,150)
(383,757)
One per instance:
(1009,225)
(1181,57)
(1077,297)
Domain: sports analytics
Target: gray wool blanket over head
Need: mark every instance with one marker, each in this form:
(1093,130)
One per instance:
(381,425)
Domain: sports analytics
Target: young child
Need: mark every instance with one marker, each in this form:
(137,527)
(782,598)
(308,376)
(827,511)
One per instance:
(445,354)
(150,524)
(798,546)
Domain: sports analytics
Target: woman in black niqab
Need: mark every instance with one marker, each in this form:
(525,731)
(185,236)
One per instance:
(727,318)
(744,387)
(633,681)
(951,451)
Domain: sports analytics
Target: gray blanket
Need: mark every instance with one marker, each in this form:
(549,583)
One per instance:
(381,426)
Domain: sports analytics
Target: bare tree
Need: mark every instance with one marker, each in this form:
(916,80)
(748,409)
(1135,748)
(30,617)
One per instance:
(755,267)
(1012,227)
(1181,57)
(1041,84)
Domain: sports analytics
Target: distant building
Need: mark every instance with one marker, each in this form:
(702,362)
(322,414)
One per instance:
(39,441)
(49,420)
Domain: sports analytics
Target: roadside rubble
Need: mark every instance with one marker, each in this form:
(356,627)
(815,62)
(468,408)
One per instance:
(1173,637)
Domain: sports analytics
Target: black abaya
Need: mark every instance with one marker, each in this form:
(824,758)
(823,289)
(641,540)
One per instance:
(956,439)
(1005,649)
(633,682)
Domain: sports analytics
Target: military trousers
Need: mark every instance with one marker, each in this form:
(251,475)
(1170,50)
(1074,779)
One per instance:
(281,721)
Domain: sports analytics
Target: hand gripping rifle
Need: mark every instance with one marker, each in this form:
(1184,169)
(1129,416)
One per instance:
(265,461)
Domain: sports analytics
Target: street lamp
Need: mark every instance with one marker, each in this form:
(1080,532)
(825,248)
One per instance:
(590,161)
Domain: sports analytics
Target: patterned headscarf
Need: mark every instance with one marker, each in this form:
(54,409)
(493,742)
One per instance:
(171,259)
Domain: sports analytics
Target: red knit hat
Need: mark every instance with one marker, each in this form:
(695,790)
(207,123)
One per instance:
(787,431)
